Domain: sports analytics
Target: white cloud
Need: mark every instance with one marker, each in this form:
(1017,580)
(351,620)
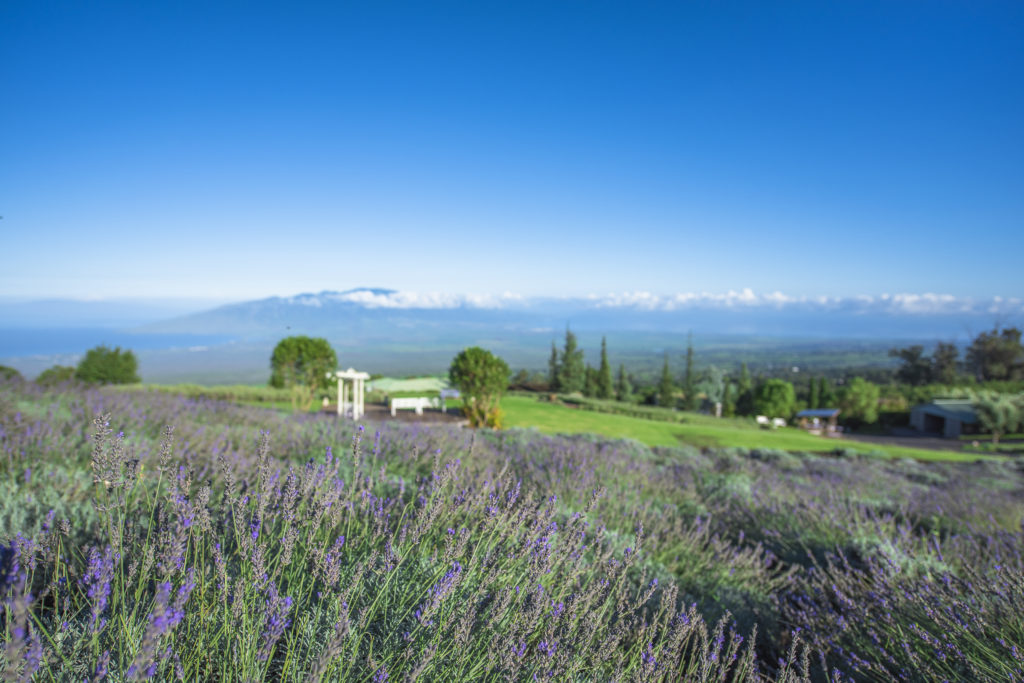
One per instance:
(743,299)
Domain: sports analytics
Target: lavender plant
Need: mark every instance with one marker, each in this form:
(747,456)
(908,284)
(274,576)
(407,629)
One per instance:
(244,544)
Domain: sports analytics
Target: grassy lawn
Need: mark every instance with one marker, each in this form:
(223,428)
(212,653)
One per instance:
(701,430)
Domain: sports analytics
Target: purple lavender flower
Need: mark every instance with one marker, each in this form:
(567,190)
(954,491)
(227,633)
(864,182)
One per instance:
(277,621)
(97,582)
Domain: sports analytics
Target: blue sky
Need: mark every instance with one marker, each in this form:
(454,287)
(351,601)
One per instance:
(232,151)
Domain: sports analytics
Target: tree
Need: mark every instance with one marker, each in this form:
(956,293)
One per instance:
(481,378)
(714,387)
(572,374)
(553,369)
(826,396)
(9,374)
(859,401)
(814,394)
(605,388)
(916,368)
(775,398)
(689,381)
(666,388)
(103,365)
(302,364)
(590,382)
(944,363)
(623,387)
(999,414)
(744,392)
(997,355)
(58,374)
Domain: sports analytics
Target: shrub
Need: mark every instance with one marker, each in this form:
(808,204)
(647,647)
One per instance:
(58,374)
(103,365)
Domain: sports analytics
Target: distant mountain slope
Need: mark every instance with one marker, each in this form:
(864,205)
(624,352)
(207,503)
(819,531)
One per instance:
(378,313)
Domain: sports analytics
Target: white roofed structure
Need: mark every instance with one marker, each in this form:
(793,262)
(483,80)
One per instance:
(355,380)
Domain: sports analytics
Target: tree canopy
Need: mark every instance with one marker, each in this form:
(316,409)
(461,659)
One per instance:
(775,398)
(301,363)
(1000,414)
(997,355)
(58,374)
(859,401)
(481,378)
(103,365)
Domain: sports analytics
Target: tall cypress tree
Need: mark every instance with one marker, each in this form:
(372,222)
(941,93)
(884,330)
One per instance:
(744,392)
(814,400)
(826,397)
(623,387)
(689,381)
(553,368)
(666,388)
(590,383)
(604,374)
(572,374)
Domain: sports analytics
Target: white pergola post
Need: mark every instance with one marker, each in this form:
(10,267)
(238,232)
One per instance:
(357,385)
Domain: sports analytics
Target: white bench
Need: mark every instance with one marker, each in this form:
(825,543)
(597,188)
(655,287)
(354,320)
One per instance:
(417,403)
(773,423)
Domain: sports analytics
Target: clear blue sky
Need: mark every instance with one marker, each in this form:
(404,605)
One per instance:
(205,149)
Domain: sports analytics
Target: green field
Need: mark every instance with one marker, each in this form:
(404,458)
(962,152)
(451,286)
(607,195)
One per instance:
(698,430)
(694,429)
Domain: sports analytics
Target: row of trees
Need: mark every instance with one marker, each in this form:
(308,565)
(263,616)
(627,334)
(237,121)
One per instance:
(99,365)
(997,355)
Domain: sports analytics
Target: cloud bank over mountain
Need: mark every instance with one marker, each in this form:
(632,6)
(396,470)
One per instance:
(744,299)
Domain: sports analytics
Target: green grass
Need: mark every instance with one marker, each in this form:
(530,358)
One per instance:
(698,430)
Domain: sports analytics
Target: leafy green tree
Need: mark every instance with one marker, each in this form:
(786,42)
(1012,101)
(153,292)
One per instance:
(775,398)
(481,378)
(713,386)
(666,387)
(8,373)
(58,374)
(572,374)
(915,368)
(689,381)
(553,371)
(999,414)
(944,363)
(858,401)
(302,363)
(103,365)
(623,387)
(605,386)
(997,355)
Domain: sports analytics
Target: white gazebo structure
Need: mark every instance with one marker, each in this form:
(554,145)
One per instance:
(357,385)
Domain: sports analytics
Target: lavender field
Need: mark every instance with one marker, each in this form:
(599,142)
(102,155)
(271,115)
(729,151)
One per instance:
(148,536)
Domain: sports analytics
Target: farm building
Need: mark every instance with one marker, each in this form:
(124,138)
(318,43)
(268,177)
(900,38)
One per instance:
(950,417)
(819,420)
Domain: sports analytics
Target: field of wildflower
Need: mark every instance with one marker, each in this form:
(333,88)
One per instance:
(152,536)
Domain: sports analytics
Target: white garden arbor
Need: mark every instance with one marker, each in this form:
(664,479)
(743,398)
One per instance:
(351,394)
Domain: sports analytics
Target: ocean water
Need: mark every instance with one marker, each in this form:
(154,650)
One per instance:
(22,342)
